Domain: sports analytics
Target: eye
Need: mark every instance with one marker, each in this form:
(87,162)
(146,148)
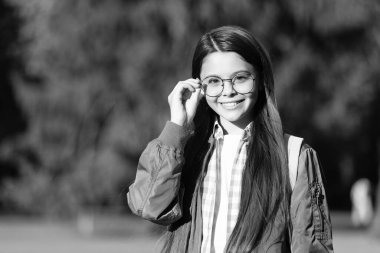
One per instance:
(212,81)
(242,77)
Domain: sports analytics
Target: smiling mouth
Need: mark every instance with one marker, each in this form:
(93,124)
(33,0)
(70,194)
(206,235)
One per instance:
(231,105)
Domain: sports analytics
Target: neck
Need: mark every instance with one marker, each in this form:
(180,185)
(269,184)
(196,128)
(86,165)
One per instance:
(231,127)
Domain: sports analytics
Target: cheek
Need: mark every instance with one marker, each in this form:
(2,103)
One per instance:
(252,101)
(255,94)
(211,101)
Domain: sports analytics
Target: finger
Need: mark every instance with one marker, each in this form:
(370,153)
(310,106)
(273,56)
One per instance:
(170,98)
(203,93)
(186,86)
(193,82)
(180,90)
(195,96)
(199,94)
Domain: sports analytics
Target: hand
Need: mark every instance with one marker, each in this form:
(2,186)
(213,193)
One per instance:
(183,101)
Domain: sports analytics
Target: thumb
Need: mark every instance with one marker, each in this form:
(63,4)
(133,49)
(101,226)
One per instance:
(193,104)
(196,96)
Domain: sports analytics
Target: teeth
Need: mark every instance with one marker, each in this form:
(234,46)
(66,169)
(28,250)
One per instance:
(230,104)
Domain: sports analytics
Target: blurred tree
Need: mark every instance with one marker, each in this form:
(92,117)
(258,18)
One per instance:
(330,71)
(97,75)
(12,119)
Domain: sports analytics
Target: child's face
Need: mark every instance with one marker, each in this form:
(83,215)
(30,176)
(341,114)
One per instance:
(230,105)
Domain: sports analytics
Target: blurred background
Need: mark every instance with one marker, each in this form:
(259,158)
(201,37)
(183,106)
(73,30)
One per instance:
(84,86)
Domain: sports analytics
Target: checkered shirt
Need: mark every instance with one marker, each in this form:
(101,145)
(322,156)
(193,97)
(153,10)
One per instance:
(212,183)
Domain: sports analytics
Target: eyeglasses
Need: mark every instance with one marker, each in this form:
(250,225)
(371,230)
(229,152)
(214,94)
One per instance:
(242,83)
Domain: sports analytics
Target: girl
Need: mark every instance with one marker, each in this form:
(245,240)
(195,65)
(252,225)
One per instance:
(218,175)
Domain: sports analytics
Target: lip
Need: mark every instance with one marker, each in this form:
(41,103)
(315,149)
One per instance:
(233,101)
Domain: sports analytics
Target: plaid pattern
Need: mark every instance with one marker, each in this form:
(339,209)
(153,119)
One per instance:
(211,188)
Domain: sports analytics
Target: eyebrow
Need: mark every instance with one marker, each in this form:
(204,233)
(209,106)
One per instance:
(231,75)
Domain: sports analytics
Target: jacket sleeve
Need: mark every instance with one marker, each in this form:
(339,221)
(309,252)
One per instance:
(311,226)
(156,193)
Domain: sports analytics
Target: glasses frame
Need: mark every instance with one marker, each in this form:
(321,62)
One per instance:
(231,80)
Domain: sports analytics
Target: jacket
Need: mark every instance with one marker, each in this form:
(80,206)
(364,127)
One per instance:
(166,191)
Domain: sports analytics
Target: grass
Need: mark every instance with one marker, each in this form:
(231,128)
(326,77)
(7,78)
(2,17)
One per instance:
(115,234)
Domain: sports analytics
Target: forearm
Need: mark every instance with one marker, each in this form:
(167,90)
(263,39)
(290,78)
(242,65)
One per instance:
(155,194)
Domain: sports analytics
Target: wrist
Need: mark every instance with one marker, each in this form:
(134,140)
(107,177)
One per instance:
(175,135)
(177,121)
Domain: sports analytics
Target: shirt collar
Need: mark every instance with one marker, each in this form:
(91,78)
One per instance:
(218,131)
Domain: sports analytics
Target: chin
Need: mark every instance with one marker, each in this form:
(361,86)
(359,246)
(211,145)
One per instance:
(233,118)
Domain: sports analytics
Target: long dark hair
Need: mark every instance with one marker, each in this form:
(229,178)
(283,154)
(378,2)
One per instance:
(265,176)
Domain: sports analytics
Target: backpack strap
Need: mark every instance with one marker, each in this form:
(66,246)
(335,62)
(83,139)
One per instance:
(294,146)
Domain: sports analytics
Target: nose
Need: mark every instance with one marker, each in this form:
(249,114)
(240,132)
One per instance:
(228,89)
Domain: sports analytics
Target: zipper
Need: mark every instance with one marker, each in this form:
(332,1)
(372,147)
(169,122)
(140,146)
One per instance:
(318,202)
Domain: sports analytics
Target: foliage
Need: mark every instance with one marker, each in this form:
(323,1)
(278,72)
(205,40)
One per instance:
(96,75)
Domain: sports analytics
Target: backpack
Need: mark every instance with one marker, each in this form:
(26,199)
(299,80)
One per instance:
(294,144)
